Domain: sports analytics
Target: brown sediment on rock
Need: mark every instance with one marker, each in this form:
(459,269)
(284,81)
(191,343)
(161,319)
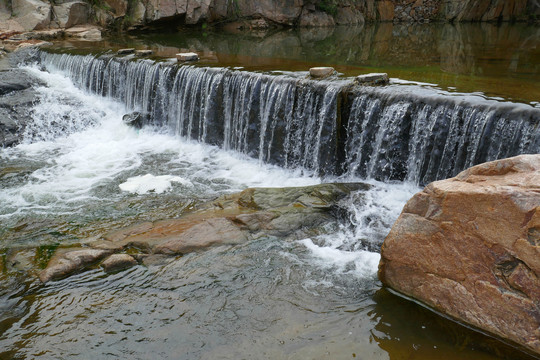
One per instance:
(468,247)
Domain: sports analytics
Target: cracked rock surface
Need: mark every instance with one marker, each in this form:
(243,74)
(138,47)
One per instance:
(469,247)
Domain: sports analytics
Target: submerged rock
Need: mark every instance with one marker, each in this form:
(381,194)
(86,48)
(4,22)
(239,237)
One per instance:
(229,220)
(217,231)
(20,260)
(67,262)
(469,247)
(117,262)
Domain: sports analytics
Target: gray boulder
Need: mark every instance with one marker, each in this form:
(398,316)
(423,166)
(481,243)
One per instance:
(16,96)
(72,13)
(32,14)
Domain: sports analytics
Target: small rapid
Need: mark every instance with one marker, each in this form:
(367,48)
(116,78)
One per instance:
(79,163)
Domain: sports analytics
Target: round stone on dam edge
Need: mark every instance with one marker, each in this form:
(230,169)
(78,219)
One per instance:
(125,51)
(143,52)
(321,72)
(187,56)
(373,79)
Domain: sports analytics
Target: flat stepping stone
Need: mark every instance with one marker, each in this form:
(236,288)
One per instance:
(143,52)
(190,56)
(321,72)
(373,79)
(125,51)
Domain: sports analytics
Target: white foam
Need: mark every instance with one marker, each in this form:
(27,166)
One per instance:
(99,150)
(354,248)
(105,154)
(360,263)
(150,183)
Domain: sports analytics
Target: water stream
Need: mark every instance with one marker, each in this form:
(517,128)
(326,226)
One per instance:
(81,171)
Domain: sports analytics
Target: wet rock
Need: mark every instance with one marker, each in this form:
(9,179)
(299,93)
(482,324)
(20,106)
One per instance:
(20,260)
(15,80)
(229,220)
(372,79)
(135,119)
(121,234)
(157,259)
(321,72)
(284,211)
(218,231)
(117,262)
(469,247)
(255,221)
(16,95)
(69,261)
(143,52)
(187,56)
(126,51)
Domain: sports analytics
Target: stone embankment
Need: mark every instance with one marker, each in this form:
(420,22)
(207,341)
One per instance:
(469,248)
(20,16)
(287,213)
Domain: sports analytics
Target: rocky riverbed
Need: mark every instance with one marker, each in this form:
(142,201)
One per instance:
(287,213)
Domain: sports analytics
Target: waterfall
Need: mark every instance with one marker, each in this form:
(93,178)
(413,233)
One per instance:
(422,136)
(328,127)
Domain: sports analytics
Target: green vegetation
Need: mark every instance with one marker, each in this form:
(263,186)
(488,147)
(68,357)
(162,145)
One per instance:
(44,254)
(328,6)
(331,6)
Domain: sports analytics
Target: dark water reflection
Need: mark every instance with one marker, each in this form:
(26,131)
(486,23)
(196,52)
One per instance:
(262,300)
(498,60)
